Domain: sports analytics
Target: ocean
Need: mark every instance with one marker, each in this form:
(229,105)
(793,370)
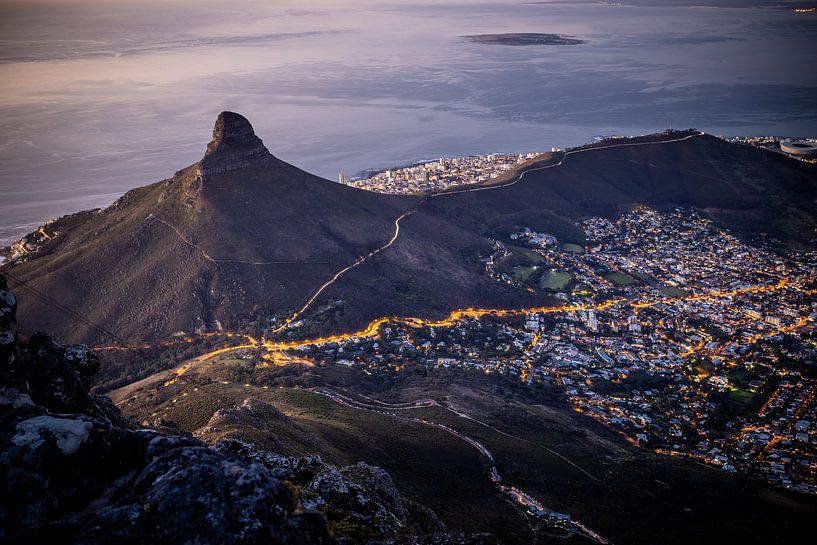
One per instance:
(98,97)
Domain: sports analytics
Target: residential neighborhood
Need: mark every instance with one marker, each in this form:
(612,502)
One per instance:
(444,173)
(673,333)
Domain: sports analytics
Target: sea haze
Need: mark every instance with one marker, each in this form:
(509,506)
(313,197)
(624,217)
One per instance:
(100,97)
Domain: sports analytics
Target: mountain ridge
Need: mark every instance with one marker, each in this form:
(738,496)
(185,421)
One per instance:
(192,234)
(243,236)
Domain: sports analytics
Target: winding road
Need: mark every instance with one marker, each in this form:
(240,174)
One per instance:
(343,271)
(396,233)
(520,497)
(445,193)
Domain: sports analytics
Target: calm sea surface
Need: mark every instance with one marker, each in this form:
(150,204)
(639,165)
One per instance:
(97,98)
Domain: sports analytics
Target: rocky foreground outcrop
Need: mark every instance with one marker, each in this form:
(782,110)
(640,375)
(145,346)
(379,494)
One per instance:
(73,470)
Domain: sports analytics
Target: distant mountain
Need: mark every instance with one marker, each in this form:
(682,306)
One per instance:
(242,235)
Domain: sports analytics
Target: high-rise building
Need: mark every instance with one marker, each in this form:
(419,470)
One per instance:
(342,178)
(592,321)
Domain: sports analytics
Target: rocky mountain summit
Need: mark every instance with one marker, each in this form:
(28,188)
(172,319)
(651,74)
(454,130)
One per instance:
(234,146)
(73,470)
(237,235)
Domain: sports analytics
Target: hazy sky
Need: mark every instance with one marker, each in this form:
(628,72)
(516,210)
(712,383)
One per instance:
(99,97)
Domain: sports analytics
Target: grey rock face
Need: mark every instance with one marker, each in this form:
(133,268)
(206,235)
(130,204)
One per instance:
(379,487)
(234,146)
(195,495)
(57,377)
(297,470)
(53,376)
(8,320)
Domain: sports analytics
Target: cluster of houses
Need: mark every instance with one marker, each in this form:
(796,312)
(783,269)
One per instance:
(445,173)
(708,355)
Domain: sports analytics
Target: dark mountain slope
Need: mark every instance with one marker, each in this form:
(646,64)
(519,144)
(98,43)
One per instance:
(242,234)
(432,269)
(746,189)
(237,232)
(730,181)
